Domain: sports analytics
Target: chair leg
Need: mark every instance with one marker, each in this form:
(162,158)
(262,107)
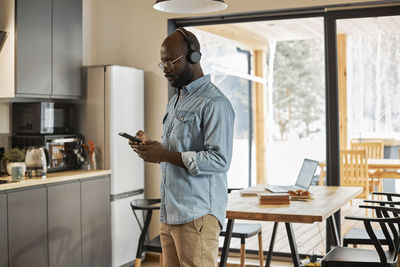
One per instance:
(321,177)
(161,260)
(260,249)
(138,262)
(380,188)
(242,254)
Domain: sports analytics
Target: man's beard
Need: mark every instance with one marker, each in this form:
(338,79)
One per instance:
(184,78)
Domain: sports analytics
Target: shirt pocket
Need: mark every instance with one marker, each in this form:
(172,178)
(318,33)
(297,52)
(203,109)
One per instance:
(183,123)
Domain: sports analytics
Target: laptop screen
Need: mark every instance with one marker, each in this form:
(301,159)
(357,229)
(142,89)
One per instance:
(306,173)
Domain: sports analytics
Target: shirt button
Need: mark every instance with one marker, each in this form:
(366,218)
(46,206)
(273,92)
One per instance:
(182,119)
(167,134)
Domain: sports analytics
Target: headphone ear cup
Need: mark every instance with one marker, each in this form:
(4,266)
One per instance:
(194,57)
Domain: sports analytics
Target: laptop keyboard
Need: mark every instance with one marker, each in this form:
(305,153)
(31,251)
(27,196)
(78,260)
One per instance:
(282,188)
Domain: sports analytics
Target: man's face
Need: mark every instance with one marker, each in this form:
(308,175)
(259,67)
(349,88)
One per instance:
(180,73)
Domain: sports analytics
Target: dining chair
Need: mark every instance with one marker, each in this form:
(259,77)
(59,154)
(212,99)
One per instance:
(375,150)
(359,236)
(349,257)
(146,206)
(243,231)
(354,170)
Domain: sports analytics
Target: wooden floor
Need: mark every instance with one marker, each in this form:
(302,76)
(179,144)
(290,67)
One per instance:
(310,238)
(152,260)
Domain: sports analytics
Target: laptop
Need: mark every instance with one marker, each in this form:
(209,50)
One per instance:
(303,181)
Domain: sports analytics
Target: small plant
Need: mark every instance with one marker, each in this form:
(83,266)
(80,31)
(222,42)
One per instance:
(13,155)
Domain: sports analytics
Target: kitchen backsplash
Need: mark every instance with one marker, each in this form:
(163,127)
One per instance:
(5,140)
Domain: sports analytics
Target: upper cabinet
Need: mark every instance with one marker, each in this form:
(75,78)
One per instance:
(67,47)
(42,55)
(33,47)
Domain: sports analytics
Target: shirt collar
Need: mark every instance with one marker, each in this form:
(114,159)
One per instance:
(194,85)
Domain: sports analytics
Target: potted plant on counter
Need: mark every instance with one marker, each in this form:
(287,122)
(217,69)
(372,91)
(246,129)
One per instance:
(14,157)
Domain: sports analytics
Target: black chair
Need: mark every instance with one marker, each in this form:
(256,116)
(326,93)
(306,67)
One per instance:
(345,256)
(147,206)
(243,231)
(357,236)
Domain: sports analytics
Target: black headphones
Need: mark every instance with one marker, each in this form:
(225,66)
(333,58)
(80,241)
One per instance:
(193,55)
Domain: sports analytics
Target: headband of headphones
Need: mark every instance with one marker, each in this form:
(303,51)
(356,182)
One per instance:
(193,55)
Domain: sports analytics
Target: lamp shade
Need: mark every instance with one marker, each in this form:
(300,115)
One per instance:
(189,6)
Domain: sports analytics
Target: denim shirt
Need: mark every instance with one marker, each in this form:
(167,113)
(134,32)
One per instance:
(200,126)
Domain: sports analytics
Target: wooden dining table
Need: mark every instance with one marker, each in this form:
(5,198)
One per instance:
(388,168)
(324,202)
(392,164)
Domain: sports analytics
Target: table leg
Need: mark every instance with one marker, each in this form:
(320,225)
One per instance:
(293,246)
(332,231)
(227,241)
(332,223)
(271,245)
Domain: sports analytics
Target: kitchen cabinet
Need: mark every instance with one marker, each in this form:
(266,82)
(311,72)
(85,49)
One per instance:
(67,48)
(27,227)
(3,231)
(64,224)
(96,222)
(44,44)
(33,48)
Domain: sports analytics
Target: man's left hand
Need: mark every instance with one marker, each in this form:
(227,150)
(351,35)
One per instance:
(150,151)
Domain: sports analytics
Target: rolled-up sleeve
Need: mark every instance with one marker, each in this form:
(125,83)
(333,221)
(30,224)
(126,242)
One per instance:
(189,160)
(217,120)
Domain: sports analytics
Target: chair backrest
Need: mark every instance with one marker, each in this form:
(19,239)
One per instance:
(354,170)
(390,225)
(374,149)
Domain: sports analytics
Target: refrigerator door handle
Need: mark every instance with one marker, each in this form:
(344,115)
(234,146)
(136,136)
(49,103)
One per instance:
(126,194)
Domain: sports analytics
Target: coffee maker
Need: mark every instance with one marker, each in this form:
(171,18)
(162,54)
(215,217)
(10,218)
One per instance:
(36,162)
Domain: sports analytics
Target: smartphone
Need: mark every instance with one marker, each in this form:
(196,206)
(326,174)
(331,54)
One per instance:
(130,137)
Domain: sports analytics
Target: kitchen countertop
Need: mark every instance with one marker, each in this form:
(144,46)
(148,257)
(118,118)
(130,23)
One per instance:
(54,177)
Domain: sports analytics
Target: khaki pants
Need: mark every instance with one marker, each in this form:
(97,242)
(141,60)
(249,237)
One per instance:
(193,244)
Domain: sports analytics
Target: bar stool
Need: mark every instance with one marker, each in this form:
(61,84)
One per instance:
(146,206)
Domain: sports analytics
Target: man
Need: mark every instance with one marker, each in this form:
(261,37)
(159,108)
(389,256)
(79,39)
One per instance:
(195,155)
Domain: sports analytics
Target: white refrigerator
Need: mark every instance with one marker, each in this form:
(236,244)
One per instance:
(113,102)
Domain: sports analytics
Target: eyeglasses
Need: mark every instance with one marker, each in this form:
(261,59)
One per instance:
(169,64)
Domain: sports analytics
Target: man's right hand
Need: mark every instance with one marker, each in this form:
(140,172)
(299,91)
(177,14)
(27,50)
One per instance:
(142,136)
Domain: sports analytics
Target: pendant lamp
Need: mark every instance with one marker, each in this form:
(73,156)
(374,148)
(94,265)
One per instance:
(189,6)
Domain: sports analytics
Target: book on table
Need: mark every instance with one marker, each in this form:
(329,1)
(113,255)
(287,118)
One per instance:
(273,199)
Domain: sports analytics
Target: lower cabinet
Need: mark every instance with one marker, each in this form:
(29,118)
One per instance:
(27,228)
(96,223)
(3,231)
(64,221)
(57,225)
